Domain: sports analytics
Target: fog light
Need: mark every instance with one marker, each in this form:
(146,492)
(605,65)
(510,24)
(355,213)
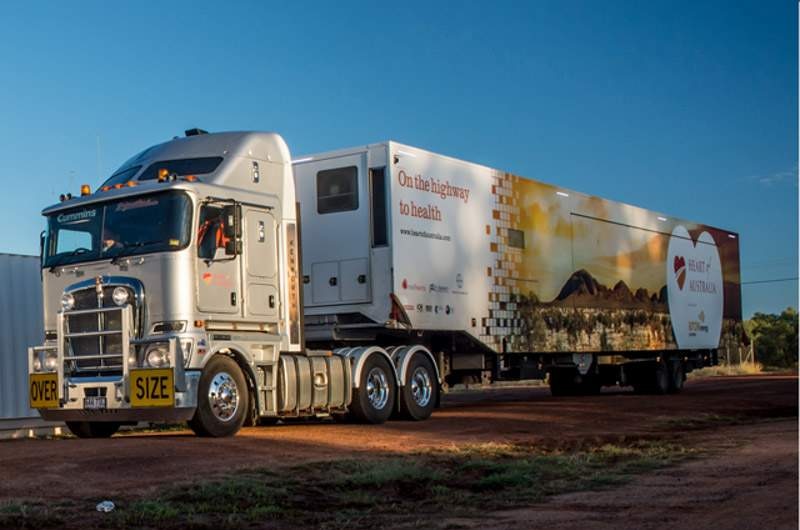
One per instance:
(50,360)
(67,302)
(157,356)
(120,296)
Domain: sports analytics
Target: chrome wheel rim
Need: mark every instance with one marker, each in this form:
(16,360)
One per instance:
(421,387)
(377,388)
(223,396)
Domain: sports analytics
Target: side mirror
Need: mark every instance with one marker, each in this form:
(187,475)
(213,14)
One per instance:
(232,230)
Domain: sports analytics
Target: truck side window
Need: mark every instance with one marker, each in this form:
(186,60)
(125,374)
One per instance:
(210,230)
(337,190)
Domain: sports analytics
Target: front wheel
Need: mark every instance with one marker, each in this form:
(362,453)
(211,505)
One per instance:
(419,394)
(93,429)
(374,398)
(222,399)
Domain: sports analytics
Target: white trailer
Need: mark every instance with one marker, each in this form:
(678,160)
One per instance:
(507,277)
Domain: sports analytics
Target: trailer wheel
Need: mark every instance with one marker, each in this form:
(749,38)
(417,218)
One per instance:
(373,400)
(654,379)
(222,399)
(677,377)
(562,382)
(93,429)
(419,395)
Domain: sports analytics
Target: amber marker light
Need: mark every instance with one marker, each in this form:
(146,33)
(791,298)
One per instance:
(131,183)
(163,173)
(190,178)
(85,190)
(105,188)
(118,186)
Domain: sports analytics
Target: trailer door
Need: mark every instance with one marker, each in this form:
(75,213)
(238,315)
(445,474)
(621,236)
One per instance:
(336,230)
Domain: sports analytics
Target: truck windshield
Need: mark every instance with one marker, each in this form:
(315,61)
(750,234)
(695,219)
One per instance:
(148,223)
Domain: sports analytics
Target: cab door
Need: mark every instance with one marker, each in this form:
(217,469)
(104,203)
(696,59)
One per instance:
(336,230)
(218,262)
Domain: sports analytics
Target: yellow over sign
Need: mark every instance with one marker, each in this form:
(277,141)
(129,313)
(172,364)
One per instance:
(152,387)
(43,391)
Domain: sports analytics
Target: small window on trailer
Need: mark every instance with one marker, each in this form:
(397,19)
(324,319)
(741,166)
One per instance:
(337,190)
(380,236)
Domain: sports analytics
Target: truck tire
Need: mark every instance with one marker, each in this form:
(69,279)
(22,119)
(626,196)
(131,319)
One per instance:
(373,400)
(677,377)
(562,382)
(420,393)
(222,399)
(93,429)
(653,379)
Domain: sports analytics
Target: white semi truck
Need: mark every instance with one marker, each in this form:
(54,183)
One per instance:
(215,280)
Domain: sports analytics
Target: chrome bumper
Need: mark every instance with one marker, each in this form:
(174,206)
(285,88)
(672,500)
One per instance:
(73,389)
(118,407)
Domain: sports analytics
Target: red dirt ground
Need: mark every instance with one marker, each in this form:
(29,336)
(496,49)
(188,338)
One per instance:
(69,468)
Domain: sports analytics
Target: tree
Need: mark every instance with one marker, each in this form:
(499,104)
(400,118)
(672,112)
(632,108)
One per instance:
(775,338)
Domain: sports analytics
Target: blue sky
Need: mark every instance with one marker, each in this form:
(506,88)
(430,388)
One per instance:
(689,108)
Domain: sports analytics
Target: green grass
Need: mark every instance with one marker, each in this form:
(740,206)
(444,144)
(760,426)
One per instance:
(422,490)
(410,490)
(28,515)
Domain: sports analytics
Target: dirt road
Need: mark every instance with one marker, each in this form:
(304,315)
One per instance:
(61,469)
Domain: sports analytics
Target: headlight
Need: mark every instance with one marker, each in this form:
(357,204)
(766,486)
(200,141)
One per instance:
(157,355)
(120,296)
(67,302)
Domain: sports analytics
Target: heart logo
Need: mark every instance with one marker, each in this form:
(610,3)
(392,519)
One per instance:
(695,297)
(679,264)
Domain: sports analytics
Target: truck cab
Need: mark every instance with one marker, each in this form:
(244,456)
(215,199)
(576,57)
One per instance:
(173,292)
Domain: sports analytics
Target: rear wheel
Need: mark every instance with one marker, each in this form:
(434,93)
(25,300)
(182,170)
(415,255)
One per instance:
(563,382)
(653,379)
(374,398)
(419,394)
(222,399)
(93,429)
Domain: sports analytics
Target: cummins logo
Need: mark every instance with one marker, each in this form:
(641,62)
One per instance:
(76,216)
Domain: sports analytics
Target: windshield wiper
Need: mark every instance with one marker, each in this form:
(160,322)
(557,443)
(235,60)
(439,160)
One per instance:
(129,249)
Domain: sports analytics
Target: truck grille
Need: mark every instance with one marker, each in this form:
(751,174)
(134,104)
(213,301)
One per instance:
(94,333)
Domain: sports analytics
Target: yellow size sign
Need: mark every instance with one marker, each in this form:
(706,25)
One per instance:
(152,387)
(43,391)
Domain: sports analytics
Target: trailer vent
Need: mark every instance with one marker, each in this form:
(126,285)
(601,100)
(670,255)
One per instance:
(195,132)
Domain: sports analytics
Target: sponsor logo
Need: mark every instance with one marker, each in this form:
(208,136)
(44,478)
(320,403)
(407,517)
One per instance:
(438,288)
(459,280)
(694,289)
(76,216)
(412,286)
(448,309)
(679,264)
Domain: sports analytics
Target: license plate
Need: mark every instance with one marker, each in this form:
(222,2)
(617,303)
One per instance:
(152,387)
(95,402)
(43,391)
